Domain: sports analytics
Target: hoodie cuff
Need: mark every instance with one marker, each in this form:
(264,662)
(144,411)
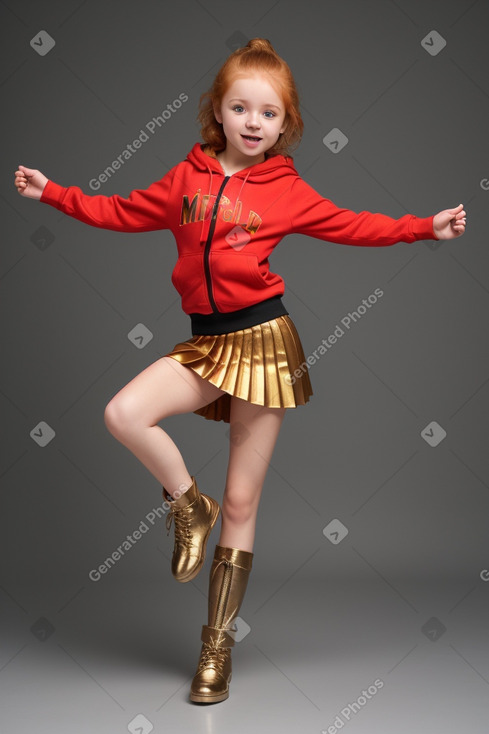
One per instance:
(53,194)
(423,228)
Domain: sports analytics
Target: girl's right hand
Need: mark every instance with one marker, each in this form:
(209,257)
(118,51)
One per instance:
(30,182)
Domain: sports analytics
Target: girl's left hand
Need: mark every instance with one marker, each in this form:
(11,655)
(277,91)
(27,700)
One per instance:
(449,223)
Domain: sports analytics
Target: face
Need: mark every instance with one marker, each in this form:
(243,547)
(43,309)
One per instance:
(252,115)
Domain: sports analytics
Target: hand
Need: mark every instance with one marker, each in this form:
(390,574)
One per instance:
(449,223)
(30,182)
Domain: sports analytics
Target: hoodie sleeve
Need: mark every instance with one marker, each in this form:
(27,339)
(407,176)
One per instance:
(144,210)
(312,215)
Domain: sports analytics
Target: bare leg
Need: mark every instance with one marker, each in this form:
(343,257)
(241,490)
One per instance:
(164,388)
(253,434)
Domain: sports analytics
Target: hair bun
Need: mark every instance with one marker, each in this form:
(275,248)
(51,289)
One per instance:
(261,44)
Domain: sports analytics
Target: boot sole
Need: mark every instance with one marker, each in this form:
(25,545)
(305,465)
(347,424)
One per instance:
(209,699)
(198,569)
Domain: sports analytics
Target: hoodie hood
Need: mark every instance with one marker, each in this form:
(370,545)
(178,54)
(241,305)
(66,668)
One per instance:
(203,158)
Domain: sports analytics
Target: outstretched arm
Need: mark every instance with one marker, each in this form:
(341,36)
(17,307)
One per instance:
(313,215)
(144,209)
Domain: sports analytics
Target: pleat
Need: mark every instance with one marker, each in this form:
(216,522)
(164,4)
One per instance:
(256,364)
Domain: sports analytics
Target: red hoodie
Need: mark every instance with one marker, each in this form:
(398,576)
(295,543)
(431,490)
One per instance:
(226,227)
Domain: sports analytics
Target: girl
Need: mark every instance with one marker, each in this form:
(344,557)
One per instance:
(228,204)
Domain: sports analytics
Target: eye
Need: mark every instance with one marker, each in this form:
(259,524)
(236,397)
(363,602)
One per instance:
(237,106)
(271,113)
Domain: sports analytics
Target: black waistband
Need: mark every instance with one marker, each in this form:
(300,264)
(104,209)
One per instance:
(223,323)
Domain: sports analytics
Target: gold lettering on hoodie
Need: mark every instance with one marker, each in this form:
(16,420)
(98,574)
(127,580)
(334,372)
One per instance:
(189,210)
(254,221)
(196,210)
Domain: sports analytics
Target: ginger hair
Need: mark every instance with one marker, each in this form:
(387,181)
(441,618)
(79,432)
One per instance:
(258,56)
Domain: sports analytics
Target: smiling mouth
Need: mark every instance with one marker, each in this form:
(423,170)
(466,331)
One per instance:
(254,138)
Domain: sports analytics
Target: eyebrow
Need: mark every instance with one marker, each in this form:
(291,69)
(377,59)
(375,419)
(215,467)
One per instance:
(237,99)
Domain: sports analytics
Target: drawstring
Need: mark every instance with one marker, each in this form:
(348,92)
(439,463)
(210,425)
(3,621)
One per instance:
(242,185)
(202,237)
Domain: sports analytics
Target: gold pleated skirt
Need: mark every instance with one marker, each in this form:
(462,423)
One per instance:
(256,364)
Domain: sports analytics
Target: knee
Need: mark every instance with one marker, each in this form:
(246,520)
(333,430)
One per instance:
(239,504)
(120,416)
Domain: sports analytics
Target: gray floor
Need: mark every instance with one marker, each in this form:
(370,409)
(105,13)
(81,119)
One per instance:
(321,652)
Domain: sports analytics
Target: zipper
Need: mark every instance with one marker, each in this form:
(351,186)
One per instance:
(212,227)
(224,595)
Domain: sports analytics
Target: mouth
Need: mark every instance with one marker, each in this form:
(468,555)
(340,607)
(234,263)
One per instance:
(251,138)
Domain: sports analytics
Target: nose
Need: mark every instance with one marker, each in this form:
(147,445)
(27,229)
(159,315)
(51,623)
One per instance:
(253,120)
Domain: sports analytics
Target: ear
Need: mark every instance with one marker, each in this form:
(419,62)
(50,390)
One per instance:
(217,114)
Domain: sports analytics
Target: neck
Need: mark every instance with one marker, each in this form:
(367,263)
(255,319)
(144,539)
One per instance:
(232,164)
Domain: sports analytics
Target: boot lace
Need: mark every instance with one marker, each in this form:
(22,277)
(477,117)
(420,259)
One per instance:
(183,533)
(215,655)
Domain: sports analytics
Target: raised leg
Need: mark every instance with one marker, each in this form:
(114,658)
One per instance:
(164,388)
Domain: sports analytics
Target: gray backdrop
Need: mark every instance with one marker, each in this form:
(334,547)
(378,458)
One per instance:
(371,552)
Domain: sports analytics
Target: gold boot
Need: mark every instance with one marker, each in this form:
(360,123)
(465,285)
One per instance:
(227,585)
(195,515)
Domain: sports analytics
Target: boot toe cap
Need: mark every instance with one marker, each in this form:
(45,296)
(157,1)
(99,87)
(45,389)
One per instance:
(209,683)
